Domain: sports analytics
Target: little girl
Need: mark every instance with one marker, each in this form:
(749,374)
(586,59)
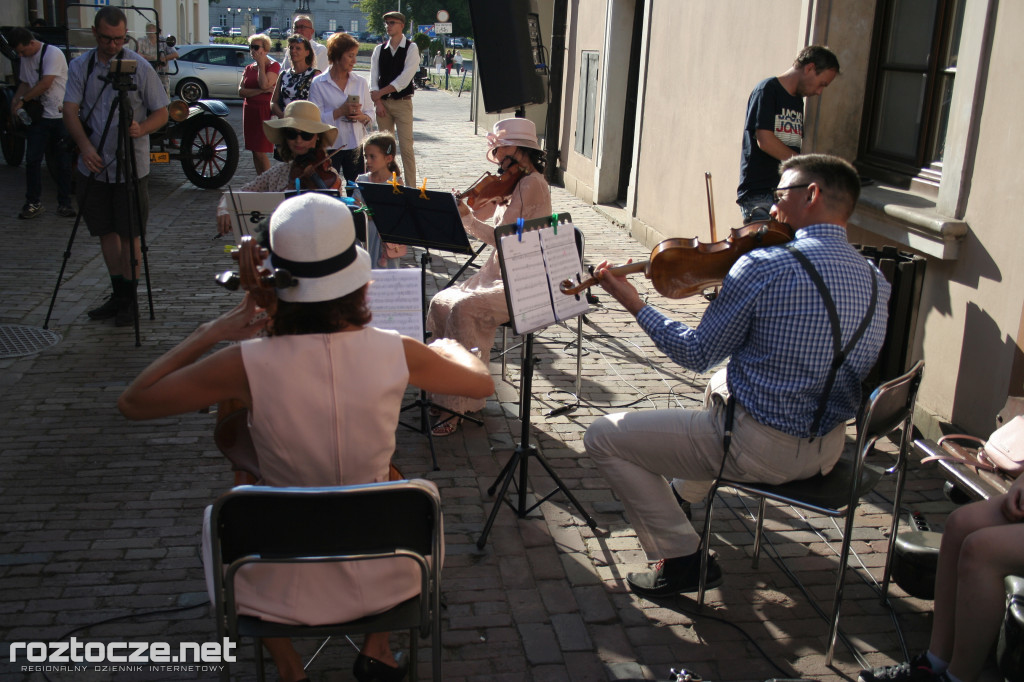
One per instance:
(379,156)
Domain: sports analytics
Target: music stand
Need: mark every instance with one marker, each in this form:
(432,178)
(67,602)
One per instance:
(431,220)
(514,269)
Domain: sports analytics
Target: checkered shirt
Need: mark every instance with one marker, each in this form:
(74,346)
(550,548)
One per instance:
(771,321)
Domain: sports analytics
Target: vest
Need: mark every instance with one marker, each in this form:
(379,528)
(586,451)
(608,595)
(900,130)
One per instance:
(389,67)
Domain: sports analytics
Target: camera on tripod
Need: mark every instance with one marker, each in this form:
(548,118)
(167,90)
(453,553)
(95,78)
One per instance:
(121,72)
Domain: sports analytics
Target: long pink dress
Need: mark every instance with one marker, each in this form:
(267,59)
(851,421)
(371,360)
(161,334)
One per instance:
(472,311)
(325,410)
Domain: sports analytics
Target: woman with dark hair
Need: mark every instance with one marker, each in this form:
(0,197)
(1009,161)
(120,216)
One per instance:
(300,137)
(344,100)
(324,393)
(255,88)
(294,82)
(472,311)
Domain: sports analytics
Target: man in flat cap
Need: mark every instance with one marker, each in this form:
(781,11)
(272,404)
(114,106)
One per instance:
(392,68)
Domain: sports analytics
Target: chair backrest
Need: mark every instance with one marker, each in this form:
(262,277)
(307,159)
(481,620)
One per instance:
(889,406)
(283,523)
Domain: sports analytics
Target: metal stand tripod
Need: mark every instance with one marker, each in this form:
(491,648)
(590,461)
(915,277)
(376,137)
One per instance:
(521,459)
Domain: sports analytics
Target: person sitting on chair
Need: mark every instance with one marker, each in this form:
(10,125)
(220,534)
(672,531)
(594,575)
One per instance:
(771,319)
(982,543)
(324,392)
(472,311)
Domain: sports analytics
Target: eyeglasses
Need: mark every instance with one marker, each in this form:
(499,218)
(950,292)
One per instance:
(778,197)
(304,27)
(112,39)
(392,22)
(292,133)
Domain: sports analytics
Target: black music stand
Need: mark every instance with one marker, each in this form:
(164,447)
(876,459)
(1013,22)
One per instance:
(525,450)
(431,220)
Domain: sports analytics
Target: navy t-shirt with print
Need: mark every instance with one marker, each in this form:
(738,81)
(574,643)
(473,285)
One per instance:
(770,107)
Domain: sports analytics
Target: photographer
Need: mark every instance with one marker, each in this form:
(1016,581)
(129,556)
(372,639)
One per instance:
(89,100)
(43,76)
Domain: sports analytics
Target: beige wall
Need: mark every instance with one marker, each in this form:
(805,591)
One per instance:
(705,57)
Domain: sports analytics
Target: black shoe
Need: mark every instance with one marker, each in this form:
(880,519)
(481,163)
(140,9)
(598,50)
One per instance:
(125,314)
(367,669)
(683,504)
(917,670)
(66,212)
(105,311)
(672,576)
(29,211)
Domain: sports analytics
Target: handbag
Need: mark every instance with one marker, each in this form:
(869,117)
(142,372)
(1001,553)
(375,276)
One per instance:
(34,108)
(1003,452)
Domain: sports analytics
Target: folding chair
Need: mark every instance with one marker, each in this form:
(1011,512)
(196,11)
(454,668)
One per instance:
(264,525)
(889,407)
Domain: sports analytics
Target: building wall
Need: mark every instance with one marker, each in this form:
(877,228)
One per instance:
(700,61)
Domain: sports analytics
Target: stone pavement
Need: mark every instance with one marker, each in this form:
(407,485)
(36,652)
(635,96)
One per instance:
(101,516)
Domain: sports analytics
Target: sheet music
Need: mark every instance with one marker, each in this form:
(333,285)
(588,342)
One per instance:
(396,300)
(527,282)
(563,262)
(248,208)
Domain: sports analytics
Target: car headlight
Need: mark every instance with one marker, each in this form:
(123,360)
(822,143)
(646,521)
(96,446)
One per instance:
(178,110)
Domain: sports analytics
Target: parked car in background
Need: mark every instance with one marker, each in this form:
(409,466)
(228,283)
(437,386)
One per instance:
(217,32)
(235,32)
(273,33)
(205,71)
(325,35)
(456,42)
(373,38)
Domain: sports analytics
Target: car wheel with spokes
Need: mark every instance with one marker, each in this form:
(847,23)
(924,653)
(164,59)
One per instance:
(209,151)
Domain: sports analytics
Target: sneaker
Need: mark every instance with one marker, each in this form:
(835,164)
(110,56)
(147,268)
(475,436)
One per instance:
(29,211)
(66,212)
(917,670)
(672,576)
(105,311)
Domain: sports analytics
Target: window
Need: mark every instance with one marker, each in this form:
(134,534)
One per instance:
(907,106)
(586,104)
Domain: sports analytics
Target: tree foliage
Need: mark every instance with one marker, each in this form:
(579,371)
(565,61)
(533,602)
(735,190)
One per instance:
(419,12)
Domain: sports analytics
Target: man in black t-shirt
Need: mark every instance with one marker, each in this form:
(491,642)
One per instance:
(774,127)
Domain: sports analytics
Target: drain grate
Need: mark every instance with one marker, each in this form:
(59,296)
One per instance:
(17,340)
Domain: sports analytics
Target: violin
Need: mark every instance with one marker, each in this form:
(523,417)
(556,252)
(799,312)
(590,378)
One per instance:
(681,267)
(314,171)
(489,186)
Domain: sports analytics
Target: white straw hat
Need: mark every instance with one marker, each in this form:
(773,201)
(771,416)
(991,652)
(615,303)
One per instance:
(512,132)
(312,237)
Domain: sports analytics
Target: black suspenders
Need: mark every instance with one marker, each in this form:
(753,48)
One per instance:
(839,352)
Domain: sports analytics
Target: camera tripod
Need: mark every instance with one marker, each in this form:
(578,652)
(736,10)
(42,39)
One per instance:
(126,173)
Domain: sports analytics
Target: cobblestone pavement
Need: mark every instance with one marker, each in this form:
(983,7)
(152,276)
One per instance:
(101,516)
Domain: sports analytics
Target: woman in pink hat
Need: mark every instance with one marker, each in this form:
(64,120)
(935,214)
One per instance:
(472,311)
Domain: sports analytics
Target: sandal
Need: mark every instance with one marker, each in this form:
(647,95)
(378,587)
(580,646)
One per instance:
(446,428)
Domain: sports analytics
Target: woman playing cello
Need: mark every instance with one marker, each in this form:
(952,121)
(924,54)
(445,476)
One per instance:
(472,311)
(309,427)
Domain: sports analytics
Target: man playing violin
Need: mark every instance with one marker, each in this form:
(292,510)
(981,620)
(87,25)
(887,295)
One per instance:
(771,321)
(774,127)
(301,139)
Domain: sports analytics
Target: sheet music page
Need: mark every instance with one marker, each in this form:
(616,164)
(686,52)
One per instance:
(527,282)
(563,262)
(396,300)
(248,208)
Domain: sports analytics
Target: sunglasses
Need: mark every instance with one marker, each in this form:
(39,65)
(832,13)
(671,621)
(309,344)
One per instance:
(292,133)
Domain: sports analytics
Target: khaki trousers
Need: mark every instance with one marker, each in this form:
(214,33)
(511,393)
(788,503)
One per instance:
(639,452)
(400,116)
